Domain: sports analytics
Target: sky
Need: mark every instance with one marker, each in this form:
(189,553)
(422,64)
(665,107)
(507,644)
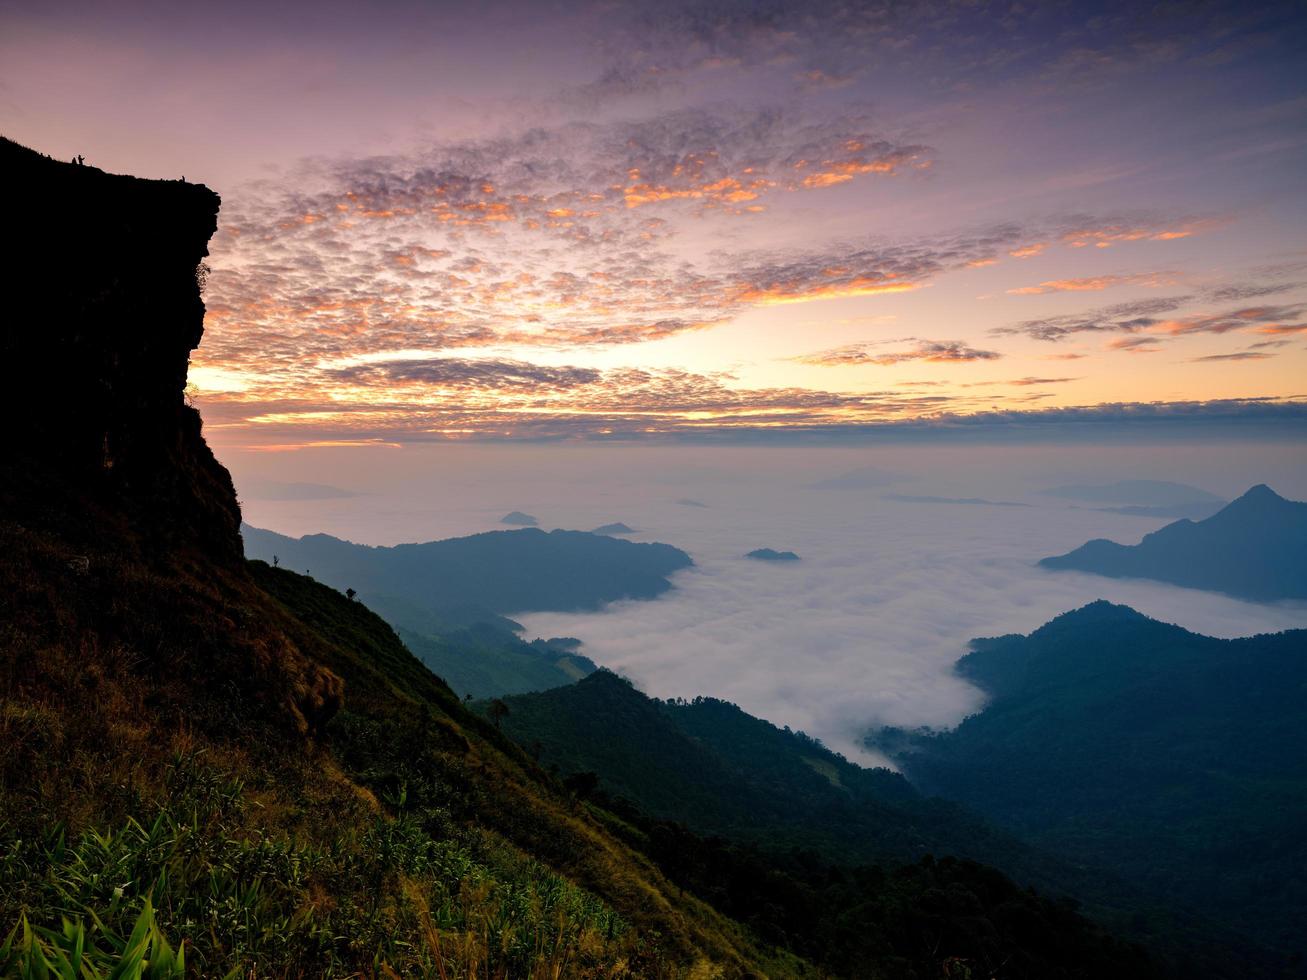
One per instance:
(721,222)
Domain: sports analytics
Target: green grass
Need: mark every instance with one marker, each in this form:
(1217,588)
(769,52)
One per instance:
(68,953)
(410,894)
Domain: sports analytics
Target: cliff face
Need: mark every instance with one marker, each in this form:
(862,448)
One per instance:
(104,308)
(120,528)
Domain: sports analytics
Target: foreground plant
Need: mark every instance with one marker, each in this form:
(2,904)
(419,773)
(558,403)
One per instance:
(69,954)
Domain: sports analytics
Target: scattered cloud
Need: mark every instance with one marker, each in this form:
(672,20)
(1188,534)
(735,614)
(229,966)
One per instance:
(1148,330)
(1257,319)
(1137,345)
(1237,356)
(1253,290)
(1120,318)
(943,351)
(452,372)
(1086,232)
(1095,283)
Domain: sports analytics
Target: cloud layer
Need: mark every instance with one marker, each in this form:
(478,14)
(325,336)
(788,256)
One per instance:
(865,629)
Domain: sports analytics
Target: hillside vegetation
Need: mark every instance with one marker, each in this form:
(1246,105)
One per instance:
(1176,760)
(706,765)
(449,598)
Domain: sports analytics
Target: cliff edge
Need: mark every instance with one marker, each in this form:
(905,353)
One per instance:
(104,310)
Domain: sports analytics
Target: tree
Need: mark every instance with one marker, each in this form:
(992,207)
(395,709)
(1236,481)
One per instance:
(350,594)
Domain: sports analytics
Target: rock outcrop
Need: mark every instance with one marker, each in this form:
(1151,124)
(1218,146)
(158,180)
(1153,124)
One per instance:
(120,527)
(104,309)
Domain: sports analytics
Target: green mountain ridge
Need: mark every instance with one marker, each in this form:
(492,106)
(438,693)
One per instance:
(502,572)
(1095,711)
(717,770)
(449,598)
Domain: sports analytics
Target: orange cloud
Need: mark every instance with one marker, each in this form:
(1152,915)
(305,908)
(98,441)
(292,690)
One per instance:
(932,351)
(776,295)
(726,190)
(290,447)
(857,159)
(1136,345)
(1257,319)
(1092,284)
(1105,236)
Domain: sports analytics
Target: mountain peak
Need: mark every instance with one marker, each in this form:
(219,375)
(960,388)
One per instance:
(1098,611)
(1261,493)
(1252,548)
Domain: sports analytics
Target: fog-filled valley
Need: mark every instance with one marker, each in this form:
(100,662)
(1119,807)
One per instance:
(893,580)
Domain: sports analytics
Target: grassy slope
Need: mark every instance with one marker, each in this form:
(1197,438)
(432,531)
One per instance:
(164,726)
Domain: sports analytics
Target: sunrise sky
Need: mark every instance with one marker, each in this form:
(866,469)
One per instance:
(707,221)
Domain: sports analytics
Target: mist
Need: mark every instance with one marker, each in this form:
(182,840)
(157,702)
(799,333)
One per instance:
(894,579)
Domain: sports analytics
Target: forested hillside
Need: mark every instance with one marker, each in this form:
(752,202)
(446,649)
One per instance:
(708,765)
(1176,760)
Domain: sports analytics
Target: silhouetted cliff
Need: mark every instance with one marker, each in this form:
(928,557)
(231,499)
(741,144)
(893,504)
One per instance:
(120,528)
(102,315)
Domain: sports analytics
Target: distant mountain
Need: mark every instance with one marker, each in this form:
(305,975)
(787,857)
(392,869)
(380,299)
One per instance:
(465,580)
(770,554)
(916,499)
(1176,760)
(1254,548)
(448,598)
(618,528)
(1149,493)
(1195,511)
(688,502)
(484,661)
(518,519)
(869,477)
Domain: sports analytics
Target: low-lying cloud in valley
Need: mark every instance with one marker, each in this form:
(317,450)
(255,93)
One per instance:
(902,563)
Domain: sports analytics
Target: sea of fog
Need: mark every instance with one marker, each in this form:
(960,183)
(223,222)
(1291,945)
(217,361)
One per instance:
(865,628)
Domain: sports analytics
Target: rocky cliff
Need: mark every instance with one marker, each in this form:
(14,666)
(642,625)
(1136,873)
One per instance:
(121,530)
(104,307)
